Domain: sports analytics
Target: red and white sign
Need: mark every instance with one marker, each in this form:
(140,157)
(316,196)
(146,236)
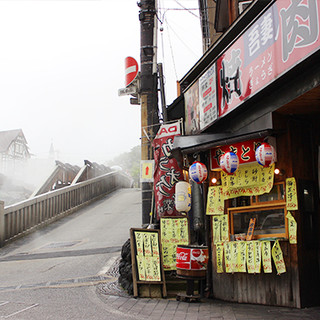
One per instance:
(244,150)
(166,171)
(189,258)
(131,70)
(286,34)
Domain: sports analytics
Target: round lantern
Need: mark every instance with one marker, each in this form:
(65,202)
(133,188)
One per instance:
(183,196)
(229,162)
(265,154)
(198,172)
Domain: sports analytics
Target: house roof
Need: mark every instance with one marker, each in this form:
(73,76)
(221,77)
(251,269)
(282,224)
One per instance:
(6,138)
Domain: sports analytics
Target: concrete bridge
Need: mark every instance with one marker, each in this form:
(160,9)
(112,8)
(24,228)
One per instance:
(53,201)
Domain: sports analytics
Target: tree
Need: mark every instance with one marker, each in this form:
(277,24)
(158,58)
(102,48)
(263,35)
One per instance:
(130,163)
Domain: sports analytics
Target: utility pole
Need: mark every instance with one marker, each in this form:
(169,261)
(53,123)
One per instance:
(148,94)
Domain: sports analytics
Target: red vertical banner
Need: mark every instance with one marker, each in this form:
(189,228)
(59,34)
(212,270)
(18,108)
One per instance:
(166,171)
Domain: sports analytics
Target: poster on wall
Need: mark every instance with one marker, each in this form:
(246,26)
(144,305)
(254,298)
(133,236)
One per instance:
(286,34)
(208,98)
(166,171)
(201,108)
(192,115)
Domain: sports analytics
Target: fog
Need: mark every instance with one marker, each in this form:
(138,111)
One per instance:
(62,63)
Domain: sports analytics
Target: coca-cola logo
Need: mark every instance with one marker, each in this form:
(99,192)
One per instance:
(196,253)
(183,256)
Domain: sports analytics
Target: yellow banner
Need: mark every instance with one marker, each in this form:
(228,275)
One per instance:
(228,256)
(216,229)
(234,255)
(291,194)
(257,256)
(278,258)
(154,244)
(241,256)
(147,245)
(292,227)
(219,256)
(141,268)
(266,256)
(250,257)
(139,243)
(173,232)
(215,200)
(248,180)
(224,227)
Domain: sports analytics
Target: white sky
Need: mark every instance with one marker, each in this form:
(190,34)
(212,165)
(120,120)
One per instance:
(62,63)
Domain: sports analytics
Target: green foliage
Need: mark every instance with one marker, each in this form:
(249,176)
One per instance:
(129,162)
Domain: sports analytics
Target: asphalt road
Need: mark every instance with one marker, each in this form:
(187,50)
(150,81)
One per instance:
(53,273)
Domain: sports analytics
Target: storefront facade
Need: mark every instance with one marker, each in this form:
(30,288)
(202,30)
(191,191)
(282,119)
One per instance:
(260,83)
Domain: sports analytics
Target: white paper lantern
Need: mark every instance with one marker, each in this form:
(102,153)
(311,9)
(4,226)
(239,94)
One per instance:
(198,172)
(265,154)
(183,196)
(229,162)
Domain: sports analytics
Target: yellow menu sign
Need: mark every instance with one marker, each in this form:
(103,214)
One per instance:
(220,228)
(292,227)
(174,232)
(147,257)
(278,258)
(248,180)
(219,256)
(215,200)
(291,194)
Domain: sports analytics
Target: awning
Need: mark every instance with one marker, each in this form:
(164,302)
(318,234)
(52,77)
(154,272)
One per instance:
(202,142)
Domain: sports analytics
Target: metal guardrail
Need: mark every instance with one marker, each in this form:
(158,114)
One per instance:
(28,215)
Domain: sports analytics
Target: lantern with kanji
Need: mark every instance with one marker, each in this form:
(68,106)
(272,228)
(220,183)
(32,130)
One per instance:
(183,196)
(265,154)
(229,162)
(198,172)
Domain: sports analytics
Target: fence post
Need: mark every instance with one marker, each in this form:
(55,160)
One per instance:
(2,227)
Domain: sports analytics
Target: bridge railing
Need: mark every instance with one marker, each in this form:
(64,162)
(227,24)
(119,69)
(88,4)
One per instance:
(26,216)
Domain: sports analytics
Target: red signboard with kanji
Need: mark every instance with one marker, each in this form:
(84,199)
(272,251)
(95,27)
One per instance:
(244,150)
(286,34)
(166,171)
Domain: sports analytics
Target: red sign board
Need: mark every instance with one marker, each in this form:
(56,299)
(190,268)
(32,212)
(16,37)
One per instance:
(244,150)
(131,70)
(287,33)
(166,171)
(189,258)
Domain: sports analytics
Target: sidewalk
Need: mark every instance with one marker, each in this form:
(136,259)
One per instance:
(165,309)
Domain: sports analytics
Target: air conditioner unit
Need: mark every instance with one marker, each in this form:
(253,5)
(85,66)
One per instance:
(243,5)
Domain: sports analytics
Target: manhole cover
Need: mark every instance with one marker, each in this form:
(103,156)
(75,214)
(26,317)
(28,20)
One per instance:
(61,244)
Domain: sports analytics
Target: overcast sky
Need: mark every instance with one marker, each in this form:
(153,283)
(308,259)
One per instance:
(62,63)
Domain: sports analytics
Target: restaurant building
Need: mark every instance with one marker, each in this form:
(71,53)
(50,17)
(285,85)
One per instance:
(259,83)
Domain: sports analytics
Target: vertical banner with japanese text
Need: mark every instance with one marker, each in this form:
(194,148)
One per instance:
(166,171)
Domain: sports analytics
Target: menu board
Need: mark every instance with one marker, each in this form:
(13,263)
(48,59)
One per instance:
(248,256)
(174,232)
(248,180)
(291,194)
(147,255)
(146,258)
(215,200)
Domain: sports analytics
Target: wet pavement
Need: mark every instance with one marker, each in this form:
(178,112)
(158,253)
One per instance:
(119,302)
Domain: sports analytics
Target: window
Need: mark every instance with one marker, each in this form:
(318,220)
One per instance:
(270,220)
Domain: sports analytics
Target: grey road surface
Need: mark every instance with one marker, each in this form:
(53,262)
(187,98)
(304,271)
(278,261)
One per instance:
(53,273)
